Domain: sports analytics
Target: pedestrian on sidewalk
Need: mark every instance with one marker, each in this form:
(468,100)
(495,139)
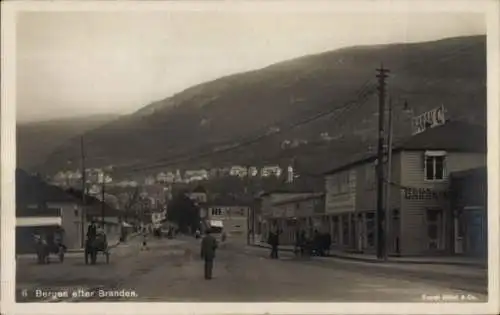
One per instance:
(145,240)
(208,247)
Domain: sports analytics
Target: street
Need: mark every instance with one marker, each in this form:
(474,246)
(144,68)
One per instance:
(171,271)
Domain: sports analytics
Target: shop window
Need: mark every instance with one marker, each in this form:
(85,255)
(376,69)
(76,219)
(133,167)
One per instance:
(345,230)
(434,166)
(370,229)
(335,229)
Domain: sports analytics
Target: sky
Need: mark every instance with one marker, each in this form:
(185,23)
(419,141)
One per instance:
(86,63)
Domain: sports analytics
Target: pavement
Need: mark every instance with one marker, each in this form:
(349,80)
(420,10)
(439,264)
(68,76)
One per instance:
(126,259)
(438,260)
(171,271)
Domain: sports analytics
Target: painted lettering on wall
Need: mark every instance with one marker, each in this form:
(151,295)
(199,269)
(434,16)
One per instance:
(424,194)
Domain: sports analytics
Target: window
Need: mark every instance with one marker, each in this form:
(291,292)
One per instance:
(344,182)
(335,229)
(216,211)
(370,177)
(434,167)
(345,230)
(370,229)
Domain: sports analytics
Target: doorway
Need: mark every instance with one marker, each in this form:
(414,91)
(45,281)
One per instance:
(435,230)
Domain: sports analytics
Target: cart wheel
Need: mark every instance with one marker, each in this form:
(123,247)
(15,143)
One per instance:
(107,257)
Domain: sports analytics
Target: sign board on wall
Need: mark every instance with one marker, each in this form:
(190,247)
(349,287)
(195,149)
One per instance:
(343,199)
(430,119)
(424,194)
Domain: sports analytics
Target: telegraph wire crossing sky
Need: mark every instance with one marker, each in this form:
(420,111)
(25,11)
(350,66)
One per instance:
(85,63)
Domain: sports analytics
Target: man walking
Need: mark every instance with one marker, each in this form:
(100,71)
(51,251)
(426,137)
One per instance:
(208,247)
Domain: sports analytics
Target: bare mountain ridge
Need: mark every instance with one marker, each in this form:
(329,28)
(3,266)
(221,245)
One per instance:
(450,72)
(36,140)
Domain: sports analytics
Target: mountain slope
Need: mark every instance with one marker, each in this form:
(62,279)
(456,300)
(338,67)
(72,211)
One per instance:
(450,72)
(36,140)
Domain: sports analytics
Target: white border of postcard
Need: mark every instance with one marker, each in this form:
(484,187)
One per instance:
(8,120)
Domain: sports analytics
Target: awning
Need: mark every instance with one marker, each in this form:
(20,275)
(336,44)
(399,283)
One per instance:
(38,221)
(216,223)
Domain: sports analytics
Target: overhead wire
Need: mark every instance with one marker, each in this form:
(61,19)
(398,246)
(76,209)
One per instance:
(362,93)
(231,145)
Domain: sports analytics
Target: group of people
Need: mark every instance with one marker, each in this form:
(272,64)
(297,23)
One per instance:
(317,244)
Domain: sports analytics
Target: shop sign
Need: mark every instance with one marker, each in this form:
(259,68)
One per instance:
(290,211)
(278,212)
(318,205)
(424,194)
(340,203)
(430,119)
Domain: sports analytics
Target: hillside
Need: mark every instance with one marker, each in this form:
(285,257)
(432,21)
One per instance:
(450,72)
(36,140)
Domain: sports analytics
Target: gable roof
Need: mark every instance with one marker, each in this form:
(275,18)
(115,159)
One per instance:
(454,136)
(285,191)
(473,172)
(94,205)
(33,190)
(299,198)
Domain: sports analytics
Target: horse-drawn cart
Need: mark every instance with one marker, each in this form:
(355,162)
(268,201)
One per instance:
(44,249)
(94,246)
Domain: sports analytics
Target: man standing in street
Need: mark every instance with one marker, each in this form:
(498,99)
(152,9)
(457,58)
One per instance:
(274,241)
(208,247)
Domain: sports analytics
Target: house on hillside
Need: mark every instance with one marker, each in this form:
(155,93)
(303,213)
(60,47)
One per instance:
(419,211)
(45,209)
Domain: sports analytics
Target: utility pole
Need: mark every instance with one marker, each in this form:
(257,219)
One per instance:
(103,203)
(388,182)
(84,192)
(382,76)
(249,209)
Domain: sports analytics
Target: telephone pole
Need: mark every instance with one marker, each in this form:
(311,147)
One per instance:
(382,76)
(388,183)
(84,189)
(249,209)
(103,204)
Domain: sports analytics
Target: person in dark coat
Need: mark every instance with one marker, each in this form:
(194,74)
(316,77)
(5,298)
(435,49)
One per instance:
(298,242)
(92,231)
(208,247)
(274,241)
(328,243)
(303,242)
(318,243)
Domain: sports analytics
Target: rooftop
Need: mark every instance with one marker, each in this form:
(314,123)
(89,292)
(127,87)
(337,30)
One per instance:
(94,203)
(454,136)
(299,198)
(33,190)
(478,171)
